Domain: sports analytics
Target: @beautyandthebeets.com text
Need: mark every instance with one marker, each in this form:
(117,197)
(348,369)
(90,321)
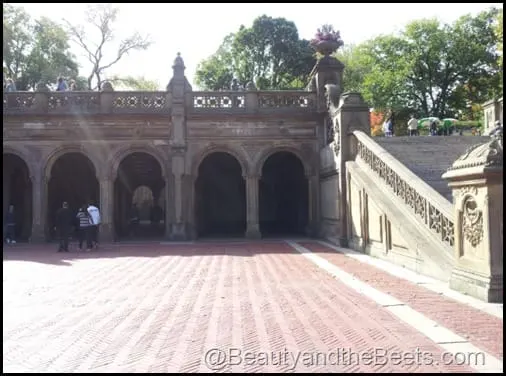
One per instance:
(218,359)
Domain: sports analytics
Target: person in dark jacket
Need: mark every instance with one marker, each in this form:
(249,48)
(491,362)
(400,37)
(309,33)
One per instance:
(64,222)
(10,224)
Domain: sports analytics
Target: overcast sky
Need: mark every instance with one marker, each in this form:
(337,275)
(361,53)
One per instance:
(197,30)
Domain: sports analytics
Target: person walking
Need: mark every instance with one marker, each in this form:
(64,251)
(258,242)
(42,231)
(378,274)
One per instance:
(64,222)
(94,214)
(413,126)
(83,232)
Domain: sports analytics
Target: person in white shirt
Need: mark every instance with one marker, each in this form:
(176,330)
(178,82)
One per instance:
(94,223)
(413,126)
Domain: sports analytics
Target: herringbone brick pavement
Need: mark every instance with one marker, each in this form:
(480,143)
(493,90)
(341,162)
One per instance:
(245,307)
(480,328)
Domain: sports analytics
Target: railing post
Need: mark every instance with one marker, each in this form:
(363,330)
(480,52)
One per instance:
(476,179)
(351,115)
(251,97)
(106,98)
(41,99)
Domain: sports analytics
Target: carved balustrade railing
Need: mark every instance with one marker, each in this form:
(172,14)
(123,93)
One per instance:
(218,100)
(86,102)
(135,102)
(257,101)
(428,206)
(139,102)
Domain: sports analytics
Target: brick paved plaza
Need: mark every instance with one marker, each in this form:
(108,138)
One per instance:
(223,306)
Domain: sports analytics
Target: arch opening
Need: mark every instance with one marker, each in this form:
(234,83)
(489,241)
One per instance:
(220,197)
(139,198)
(283,196)
(73,179)
(17,192)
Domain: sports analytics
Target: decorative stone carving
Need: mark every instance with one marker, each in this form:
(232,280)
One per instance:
(488,154)
(472,219)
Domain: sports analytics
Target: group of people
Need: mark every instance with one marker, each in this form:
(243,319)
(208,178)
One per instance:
(61,85)
(86,221)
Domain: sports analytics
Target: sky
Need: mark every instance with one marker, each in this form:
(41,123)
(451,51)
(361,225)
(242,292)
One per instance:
(197,30)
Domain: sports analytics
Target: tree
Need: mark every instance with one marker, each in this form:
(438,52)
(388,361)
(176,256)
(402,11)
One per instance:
(428,66)
(269,54)
(134,83)
(101,17)
(35,51)
(356,67)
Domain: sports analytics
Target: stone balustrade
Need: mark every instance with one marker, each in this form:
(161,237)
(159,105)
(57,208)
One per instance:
(147,102)
(428,206)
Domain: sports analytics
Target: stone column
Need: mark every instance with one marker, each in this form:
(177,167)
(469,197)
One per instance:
(179,225)
(106,209)
(39,206)
(252,212)
(476,179)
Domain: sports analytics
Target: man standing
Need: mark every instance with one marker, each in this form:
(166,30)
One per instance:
(10,224)
(94,223)
(64,221)
(413,126)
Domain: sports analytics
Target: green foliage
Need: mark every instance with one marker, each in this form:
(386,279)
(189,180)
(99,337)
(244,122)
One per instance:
(269,53)
(430,68)
(35,51)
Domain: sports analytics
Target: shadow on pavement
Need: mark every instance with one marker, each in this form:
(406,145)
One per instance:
(46,253)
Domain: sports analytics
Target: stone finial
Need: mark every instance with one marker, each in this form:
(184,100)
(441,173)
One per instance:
(178,62)
(106,86)
(489,154)
(250,86)
(42,87)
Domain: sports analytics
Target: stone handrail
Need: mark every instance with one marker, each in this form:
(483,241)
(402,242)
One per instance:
(141,102)
(432,209)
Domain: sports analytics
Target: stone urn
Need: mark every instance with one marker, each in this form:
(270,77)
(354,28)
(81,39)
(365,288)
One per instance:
(326,47)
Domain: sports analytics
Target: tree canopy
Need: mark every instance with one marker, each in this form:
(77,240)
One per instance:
(269,54)
(431,68)
(34,51)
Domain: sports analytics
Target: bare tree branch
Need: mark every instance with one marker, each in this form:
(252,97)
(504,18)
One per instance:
(102,17)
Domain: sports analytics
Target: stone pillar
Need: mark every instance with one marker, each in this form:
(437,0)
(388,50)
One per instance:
(106,209)
(39,206)
(313,212)
(179,223)
(106,98)
(351,115)
(252,212)
(476,179)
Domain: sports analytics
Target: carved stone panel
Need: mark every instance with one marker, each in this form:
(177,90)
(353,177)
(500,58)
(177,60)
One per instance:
(472,221)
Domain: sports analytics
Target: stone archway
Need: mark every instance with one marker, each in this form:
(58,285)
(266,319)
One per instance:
(72,178)
(17,192)
(283,196)
(220,196)
(138,186)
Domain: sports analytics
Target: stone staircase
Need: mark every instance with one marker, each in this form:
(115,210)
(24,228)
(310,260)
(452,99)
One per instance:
(429,156)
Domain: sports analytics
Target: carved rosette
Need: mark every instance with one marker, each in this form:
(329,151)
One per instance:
(472,221)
